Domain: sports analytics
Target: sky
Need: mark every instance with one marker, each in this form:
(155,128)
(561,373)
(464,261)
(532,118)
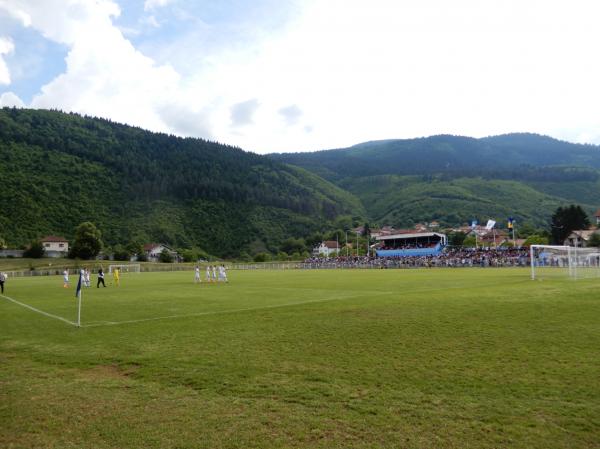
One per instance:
(305,75)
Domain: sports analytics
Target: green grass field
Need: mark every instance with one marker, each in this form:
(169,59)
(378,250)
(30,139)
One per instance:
(465,358)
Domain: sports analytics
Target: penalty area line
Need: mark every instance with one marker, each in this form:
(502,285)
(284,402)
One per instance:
(49,315)
(224,312)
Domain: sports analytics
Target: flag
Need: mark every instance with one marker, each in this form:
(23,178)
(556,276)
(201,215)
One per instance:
(490,224)
(78,290)
(510,222)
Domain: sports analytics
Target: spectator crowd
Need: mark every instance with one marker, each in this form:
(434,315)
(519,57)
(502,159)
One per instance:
(450,257)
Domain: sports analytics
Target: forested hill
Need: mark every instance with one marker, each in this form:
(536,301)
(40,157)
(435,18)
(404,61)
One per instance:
(454,179)
(507,155)
(59,169)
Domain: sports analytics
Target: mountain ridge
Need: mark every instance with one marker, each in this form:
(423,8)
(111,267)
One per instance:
(384,173)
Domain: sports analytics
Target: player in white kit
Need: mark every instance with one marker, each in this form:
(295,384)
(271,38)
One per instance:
(223,273)
(197,276)
(66,279)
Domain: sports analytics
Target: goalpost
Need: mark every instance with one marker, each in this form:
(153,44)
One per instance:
(564,261)
(125,268)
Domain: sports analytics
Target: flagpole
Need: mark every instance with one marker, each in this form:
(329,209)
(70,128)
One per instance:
(79,288)
(79,309)
(347,243)
(513,232)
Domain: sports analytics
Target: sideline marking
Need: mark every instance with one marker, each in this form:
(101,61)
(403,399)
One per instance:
(27,306)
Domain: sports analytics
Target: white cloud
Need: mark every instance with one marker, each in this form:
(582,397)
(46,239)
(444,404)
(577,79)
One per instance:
(291,114)
(6,47)
(342,72)
(154,4)
(105,75)
(9,99)
(242,113)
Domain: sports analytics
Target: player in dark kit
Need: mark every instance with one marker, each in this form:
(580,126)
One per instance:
(2,280)
(100,278)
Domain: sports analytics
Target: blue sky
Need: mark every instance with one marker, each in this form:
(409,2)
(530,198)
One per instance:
(301,75)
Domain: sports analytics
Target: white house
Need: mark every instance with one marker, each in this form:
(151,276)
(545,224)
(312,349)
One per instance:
(53,244)
(597,217)
(579,238)
(327,248)
(153,250)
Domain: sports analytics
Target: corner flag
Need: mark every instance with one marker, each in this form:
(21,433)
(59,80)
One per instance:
(78,289)
(78,296)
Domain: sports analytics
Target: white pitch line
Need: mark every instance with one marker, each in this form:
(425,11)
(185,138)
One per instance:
(27,306)
(223,312)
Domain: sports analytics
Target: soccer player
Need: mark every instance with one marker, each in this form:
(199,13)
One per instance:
(214,273)
(86,277)
(66,279)
(197,275)
(100,278)
(208,273)
(116,276)
(3,277)
(222,274)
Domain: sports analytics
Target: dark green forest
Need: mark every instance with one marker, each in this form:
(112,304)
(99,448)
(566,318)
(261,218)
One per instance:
(59,169)
(454,179)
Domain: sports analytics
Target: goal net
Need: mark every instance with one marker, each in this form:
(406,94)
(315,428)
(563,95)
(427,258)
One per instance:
(125,268)
(549,261)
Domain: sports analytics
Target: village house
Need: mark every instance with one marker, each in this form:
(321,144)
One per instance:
(55,246)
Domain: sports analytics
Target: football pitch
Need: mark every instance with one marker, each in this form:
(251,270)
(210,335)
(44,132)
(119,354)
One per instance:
(441,358)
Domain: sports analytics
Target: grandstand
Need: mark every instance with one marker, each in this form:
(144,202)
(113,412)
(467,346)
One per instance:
(411,244)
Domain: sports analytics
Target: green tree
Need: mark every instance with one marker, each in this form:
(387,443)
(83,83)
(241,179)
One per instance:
(245,257)
(88,242)
(35,250)
(594,239)
(188,255)
(293,245)
(2,243)
(121,253)
(525,230)
(456,238)
(165,256)
(535,239)
(469,241)
(262,257)
(567,219)
(366,230)
(313,240)
(343,222)
(135,248)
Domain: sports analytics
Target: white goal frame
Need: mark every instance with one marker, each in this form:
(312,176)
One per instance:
(532,250)
(580,263)
(125,268)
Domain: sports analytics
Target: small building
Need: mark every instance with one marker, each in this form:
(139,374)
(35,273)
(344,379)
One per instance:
(493,238)
(55,246)
(327,248)
(154,250)
(597,217)
(579,238)
(386,230)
